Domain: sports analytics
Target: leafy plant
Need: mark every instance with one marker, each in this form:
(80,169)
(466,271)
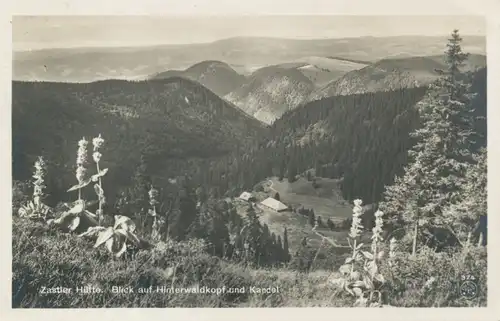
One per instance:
(115,238)
(78,212)
(97,142)
(36,209)
(77,216)
(360,276)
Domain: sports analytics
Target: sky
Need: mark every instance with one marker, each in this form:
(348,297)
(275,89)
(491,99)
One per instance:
(38,32)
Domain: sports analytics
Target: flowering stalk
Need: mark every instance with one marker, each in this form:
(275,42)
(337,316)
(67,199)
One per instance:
(376,237)
(153,201)
(356,226)
(97,142)
(392,248)
(377,232)
(39,176)
(81,161)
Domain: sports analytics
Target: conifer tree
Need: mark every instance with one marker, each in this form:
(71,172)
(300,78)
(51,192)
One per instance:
(252,233)
(218,235)
(280,249)
(292,170)
(286,250)
(320,221)
(136,199)
(187,213)
(435,174)
(473,209)
(330,224)
(312,218)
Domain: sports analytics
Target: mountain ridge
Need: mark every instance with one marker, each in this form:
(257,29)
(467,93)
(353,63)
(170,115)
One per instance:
(215,75)
(172,122)
(392,73)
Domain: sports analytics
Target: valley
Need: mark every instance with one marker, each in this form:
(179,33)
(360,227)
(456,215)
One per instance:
(247,161)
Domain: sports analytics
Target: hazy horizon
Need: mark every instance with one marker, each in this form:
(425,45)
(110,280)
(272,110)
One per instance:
(46,32)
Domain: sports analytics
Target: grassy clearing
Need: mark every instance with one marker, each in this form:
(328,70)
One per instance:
(326,200)
(47,258)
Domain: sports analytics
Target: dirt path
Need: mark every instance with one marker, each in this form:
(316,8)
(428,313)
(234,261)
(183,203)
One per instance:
(271,187)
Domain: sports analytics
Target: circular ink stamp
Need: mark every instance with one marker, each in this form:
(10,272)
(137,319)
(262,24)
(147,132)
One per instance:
(468,286)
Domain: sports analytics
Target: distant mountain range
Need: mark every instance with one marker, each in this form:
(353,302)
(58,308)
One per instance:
(389,74)
(244,54)
(272,91)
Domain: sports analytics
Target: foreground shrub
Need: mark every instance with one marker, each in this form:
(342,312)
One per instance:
(432,279)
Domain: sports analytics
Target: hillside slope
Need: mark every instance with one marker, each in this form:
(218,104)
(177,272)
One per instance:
(362,139)
(270,92)
(322,70)
(390,74)
(170,122)
(217,76)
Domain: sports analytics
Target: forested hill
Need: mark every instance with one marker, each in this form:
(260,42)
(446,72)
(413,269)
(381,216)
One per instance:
(271,91)
(362,138)
(170,122)
(217,76)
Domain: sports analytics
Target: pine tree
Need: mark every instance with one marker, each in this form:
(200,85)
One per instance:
(320,221)
(137,196)
(218,235)
(435,173)
(280,249)
(286,250)
(330,224)
(187,213)
(473,209)
(292,171)
(312,218)
(252,234)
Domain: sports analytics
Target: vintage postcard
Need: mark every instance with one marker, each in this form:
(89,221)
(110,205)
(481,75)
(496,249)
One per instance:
(250,161)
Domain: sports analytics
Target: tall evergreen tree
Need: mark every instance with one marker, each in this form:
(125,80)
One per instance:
(286,250)
(252,234)
(330,224)
(436,172)
(187,213)
(320,221)
(311,218)
(218,235)
(292,170)
(473,209)
(134,201)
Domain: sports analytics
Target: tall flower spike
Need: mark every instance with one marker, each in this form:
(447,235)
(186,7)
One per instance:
(356,226)
(153,196)
(377,229)
(97,142)
(39,176)
(392,248)
(81,158)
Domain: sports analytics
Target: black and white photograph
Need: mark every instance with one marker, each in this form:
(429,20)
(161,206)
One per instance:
(252,161)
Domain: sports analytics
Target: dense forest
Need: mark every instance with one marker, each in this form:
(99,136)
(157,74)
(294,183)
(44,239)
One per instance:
(176,120)
(363,139)
(349,137)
